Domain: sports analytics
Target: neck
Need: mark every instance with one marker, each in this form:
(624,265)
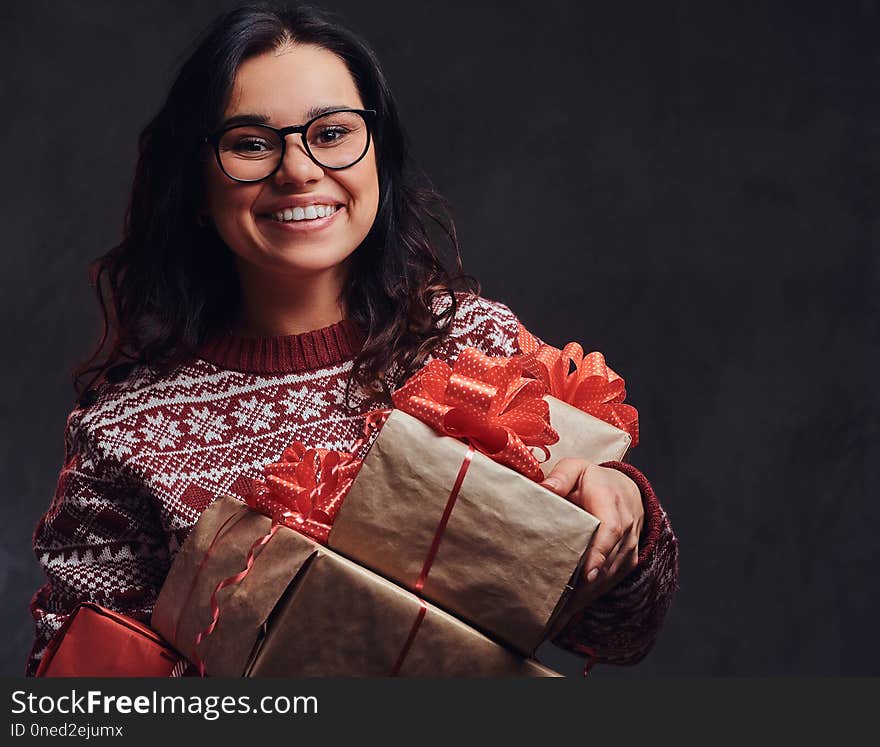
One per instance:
(274,305)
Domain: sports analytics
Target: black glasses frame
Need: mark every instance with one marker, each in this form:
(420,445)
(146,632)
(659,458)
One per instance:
(368,116)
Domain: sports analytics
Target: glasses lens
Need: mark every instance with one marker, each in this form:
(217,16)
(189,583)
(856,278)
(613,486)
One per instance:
(249,152)
(338,139)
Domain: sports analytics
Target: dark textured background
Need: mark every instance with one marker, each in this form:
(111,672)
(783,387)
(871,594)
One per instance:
(687,187)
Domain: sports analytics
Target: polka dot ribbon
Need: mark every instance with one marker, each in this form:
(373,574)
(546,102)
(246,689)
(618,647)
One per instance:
(585,382)
(485,401)
(304,489)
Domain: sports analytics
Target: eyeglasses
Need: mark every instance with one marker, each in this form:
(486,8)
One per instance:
(334,140)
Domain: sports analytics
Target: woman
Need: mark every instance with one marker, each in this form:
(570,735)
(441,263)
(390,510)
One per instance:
(275,282)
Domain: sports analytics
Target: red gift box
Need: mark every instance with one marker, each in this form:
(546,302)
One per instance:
(97,642)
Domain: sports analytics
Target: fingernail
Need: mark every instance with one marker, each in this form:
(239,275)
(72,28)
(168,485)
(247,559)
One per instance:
(591,576)
(551,482)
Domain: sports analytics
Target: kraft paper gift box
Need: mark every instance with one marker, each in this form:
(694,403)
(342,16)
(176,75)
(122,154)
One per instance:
(582,436)
(304,610)
(509,555)
(586,400)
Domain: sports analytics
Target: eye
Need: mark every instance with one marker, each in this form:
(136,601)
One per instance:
(330,135)
(253,145)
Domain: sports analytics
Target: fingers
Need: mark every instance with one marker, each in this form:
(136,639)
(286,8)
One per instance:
(612,542)
(613,549)
(603,542)
(566,476)
(624,559)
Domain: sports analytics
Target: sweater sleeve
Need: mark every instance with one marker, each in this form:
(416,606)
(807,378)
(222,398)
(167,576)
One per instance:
(621,626)
(99,541)
(489,326)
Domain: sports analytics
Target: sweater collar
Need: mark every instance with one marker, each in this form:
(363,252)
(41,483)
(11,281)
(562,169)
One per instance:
(308,351)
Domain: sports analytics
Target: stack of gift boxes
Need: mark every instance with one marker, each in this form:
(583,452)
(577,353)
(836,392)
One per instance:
(439,554)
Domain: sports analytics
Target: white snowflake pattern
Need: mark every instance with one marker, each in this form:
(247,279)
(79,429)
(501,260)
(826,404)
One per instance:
(207,425)
(498,339)
(161,431)
(117,442)
(357,397)
(306,403)
(255,415)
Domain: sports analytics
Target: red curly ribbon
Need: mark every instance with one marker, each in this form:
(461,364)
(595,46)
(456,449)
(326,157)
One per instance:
(486,401)
(585,382)
(302,491)
(192,584)
(234,579)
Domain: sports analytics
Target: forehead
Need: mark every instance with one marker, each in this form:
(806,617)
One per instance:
(284,84)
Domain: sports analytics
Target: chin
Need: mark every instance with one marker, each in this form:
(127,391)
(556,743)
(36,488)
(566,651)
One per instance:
(305,262)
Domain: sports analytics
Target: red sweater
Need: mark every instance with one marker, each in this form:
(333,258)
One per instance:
(145,459)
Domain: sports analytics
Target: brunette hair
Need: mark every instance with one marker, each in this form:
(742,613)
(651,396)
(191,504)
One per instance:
(171,280)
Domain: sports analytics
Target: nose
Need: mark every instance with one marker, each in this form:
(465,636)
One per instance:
(296,166)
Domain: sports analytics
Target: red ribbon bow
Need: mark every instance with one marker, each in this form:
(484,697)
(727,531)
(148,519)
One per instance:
(305,489)
(592,386)
(486,401)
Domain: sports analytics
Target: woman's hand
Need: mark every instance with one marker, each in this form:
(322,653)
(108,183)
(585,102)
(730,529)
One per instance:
(616,501)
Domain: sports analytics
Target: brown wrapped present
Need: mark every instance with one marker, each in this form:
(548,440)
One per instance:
(508,555)
(582,436)
(304,610)
(586,399)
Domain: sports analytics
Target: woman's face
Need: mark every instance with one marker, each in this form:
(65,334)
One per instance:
(283,85)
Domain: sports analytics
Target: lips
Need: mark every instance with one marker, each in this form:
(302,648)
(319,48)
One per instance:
(303,226)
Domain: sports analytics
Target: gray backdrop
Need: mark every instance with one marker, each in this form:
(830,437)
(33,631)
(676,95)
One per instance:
(687,187)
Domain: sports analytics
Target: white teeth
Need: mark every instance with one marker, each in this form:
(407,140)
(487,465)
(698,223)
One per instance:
(309,213)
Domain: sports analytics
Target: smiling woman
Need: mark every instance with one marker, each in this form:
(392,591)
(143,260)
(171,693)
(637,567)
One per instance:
(272,178)
(274,284)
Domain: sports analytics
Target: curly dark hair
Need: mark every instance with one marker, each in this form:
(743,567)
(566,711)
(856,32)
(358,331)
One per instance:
(171,280)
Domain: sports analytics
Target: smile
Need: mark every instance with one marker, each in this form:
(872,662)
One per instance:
(304,223)
(308,213)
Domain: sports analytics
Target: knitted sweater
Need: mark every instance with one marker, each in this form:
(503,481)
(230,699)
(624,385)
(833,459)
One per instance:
(151,452)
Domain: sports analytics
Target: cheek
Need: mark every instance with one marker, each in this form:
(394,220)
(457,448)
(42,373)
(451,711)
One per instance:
(367,191)
(225,201)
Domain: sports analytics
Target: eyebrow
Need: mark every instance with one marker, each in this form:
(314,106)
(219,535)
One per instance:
(257,118)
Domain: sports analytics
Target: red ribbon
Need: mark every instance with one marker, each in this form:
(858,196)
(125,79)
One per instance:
(585,382)
(486,401)
(234,579)
(429,560)
(420,615)
(444,520)
(303,491)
